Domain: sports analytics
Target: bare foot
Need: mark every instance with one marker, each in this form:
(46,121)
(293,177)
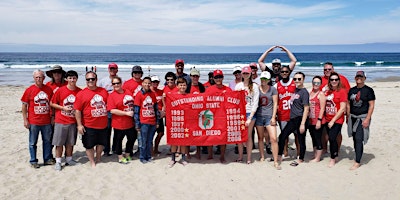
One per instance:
(171,163)
(222,159)
(198,156)
(210,158)
(188,156)
(315,160)
(355,166)
(93,164)
(277,166)
(332,163)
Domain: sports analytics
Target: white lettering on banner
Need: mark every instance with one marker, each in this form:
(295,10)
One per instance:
(213,132)
(197,106)
(187,100)
(197,133)
(233,100)
(41,109)
(215,98)
(213,105)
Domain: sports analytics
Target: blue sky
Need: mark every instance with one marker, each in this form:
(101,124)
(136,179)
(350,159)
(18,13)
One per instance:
(203,22)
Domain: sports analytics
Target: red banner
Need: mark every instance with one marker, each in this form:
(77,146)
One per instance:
(204,119)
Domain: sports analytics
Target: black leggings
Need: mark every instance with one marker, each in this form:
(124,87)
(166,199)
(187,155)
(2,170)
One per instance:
(292,126)
(358,138)
(316,136)
(119,136)
(333,133)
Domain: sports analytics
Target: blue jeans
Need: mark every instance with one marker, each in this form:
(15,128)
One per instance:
(46,140)
(145,140)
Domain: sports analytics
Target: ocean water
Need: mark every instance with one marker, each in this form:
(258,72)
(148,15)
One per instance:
(17,68)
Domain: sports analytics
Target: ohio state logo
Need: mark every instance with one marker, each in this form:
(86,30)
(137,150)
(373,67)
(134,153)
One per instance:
(206,119)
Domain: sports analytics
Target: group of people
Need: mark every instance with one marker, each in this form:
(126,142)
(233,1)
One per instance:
(135,109)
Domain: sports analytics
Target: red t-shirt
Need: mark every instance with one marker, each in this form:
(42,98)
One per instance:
(285,92)
(133,86)
(124,102)
(92,104)
(38,100)
(214,89)
(65,97)
(343,80)
(168,90)
(194,89)
(55,86)
(159,96)
(333,99)
(207,84)
(146,103)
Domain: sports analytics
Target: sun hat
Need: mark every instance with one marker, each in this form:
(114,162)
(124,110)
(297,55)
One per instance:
(55,68)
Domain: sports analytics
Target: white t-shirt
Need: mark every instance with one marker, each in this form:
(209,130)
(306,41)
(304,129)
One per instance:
(251,98)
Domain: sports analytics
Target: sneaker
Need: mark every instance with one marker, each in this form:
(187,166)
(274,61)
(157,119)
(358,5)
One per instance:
(49,162)
(144,161)
(35,165)
(128,158)
(123,161)
(58,167)
(72,163)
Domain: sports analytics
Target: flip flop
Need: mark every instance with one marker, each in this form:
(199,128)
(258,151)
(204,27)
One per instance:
(294,164)
(239,160)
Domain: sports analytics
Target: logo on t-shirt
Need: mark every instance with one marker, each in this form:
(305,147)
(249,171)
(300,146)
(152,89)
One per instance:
(42,103)
(128,103)
(99,106)
(330,105)
(148,107)
(356,99)
(69,102)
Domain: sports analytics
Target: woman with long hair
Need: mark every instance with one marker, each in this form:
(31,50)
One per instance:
(266,117)
(252,95)
(336,100)
(316,117)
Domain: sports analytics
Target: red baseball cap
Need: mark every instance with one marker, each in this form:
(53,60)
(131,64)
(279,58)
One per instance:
(112,65)
(218,72)
(179,61)
(253,65)
(246,69)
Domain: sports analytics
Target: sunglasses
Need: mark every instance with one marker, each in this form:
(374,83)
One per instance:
(170,79)
(359,76)
(264,79)
(327,69)
(218,77)
(297,79)
(116,83)
(284,72)
(316,83)
(90,79)
(334,79)
(195,76)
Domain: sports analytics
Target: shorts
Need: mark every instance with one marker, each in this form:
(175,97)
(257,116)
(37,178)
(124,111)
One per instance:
(160,128)
(93,137)
(263,120)
(247,116)
(64,134)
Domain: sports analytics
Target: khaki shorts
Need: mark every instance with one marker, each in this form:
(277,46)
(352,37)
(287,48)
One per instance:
(64,134)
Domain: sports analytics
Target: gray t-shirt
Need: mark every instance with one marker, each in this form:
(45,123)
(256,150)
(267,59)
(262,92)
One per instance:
(299,99)
(265,102)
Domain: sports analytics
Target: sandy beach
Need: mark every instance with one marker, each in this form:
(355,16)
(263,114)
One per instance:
(377,178)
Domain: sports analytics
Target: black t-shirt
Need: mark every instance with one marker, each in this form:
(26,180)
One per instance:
(359,99)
